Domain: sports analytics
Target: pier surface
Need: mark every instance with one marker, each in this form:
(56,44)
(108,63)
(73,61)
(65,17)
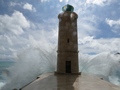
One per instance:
(84,81)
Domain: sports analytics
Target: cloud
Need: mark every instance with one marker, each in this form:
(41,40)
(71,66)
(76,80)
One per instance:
(97,2)
(91,45)
(17,33)
(114,24)
(87,26)
(16,23)
(2,48)
(20,38)
(85,29)
(44,0)
(100,2)
(29,7)
(15,4)
(60,0)
(66,1)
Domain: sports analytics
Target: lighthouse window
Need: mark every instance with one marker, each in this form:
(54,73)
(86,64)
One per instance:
(68,40)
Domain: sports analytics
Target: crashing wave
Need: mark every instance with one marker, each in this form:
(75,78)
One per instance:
(35,61)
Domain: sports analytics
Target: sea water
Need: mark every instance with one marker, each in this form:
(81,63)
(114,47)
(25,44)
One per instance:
(4,72)
(34,61)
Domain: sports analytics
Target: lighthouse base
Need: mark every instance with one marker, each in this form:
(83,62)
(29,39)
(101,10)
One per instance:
(57,73)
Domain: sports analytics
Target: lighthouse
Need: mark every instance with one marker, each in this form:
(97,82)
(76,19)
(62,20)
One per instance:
(67,76)
(67,54)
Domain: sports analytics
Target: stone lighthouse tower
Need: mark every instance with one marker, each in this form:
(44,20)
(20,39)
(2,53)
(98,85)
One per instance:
(67,57)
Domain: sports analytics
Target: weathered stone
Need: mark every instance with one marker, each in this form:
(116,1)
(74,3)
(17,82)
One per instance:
(67,58)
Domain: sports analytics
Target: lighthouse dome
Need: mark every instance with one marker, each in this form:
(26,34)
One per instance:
(68,8)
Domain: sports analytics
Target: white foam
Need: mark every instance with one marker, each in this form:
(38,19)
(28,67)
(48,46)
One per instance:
(35,61)
(1,84)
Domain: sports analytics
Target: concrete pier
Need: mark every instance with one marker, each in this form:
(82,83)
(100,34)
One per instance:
(50,81)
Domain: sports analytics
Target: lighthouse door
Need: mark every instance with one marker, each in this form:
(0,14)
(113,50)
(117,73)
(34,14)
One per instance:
(68,66)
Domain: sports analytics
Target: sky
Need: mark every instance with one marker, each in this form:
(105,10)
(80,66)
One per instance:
(34,23)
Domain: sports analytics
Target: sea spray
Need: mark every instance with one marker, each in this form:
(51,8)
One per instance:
(114,74)
(99,64)
(1,84)
(30,63)
(35,61)
(106,65)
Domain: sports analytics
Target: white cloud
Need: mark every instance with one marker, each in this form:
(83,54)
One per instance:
(15,4)
(97,2)
(66,1)
(87,26)
(45,36)
(44,0)
(114,24)
(100,2)
(91,45)
(14,39)
(2,48)
(60,0)
(29,7)
(16,23)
